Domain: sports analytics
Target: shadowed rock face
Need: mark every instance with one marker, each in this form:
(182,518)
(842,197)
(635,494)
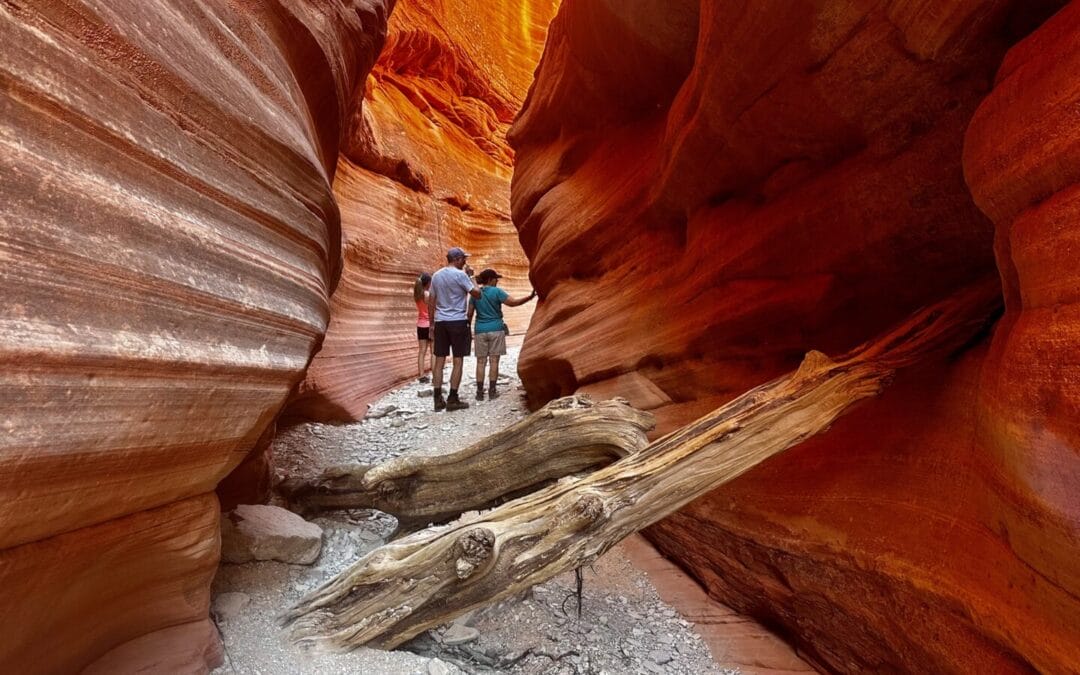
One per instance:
(706,190)
(426,167)
(169,241)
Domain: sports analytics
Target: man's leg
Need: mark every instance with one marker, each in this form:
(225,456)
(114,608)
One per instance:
(442,349)
(460,340)
(437,372)
(455,373)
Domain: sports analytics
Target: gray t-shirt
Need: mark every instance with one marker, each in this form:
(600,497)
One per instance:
(451,287)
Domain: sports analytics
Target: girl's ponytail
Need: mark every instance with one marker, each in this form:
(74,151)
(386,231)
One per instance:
(418,288)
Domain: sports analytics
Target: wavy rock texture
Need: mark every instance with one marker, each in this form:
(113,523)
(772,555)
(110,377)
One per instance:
(707,190)
(169,241)
(1022,161)
(426,167)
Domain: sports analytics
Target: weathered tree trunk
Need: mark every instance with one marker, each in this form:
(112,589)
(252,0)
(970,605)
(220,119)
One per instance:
(431,576)
(567,436)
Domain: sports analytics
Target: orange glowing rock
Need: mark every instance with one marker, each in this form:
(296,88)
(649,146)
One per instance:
(707,190)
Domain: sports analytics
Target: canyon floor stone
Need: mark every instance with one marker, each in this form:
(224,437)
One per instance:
(265,532)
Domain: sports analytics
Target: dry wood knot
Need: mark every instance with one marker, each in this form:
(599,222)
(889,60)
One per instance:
(589,508)
(471,550)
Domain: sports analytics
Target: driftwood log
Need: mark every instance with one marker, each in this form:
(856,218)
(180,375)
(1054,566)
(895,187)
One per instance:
(433,575)
(568,435)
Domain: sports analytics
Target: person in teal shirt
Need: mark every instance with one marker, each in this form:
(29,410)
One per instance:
(490,330)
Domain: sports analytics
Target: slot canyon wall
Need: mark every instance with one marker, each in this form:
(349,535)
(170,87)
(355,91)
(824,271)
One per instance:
(706,190)
(425,166)
(169,240)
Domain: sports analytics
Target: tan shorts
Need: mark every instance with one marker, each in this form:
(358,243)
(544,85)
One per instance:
(490,344)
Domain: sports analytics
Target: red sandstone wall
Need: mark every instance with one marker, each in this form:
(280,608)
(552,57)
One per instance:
(169,241)
(707,190)
(426,167)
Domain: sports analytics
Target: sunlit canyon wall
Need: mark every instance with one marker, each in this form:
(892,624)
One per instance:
(426,166)
(708,189)
(168,244)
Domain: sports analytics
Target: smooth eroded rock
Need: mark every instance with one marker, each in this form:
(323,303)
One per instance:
(116,589)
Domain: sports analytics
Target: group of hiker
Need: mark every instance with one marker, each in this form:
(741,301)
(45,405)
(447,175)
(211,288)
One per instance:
(447,302)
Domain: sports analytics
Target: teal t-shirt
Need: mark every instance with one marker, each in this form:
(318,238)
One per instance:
(488,308)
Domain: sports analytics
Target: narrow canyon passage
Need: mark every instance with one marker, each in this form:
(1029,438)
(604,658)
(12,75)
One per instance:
(212,214)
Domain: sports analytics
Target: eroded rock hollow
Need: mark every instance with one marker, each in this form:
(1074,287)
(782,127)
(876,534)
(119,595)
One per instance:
(707,190)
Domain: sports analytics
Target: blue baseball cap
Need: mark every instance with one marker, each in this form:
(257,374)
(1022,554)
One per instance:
(455,253)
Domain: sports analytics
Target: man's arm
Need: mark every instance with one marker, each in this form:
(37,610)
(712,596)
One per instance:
(472,308)
(473,289)
(514,302)
(431,304)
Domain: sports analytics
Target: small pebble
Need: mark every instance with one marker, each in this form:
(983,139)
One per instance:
(660,656)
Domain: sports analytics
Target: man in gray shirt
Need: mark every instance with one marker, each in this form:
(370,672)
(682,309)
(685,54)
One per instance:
(447,305)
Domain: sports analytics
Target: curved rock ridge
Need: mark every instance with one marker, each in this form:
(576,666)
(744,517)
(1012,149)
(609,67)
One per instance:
(1022,161)
(170,240)
(426,166)
(706,190)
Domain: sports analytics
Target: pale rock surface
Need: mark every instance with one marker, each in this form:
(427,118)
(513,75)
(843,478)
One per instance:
(226,606)
(264,532)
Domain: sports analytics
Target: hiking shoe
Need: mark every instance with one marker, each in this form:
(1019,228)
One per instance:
(479,392)
(440,404)
(455,403)
(423,380)
(493,393)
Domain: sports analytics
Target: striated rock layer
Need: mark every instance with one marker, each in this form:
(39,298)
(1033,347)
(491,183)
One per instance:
(426,166)
(708,189)
(169,241)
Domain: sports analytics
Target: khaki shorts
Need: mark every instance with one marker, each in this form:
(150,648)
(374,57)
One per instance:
(490,344)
